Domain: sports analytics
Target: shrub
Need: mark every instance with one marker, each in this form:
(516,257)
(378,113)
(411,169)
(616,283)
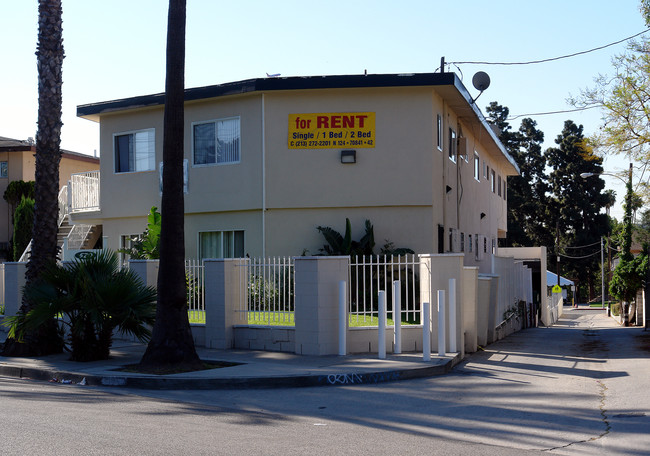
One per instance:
(91,296)
(23,223)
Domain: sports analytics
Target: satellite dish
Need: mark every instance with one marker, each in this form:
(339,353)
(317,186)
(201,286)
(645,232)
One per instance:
(481,81)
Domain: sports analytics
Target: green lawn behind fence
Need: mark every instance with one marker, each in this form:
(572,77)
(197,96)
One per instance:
(287,319)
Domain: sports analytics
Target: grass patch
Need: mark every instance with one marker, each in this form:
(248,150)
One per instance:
(287,319)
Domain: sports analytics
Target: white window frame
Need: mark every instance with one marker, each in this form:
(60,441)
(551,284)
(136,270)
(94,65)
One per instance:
(439,133)
(221,232)
(151,160)
(477,167)
(216,154)
(453,145)
(493,181)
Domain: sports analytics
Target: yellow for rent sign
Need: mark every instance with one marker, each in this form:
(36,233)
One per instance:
(332,130)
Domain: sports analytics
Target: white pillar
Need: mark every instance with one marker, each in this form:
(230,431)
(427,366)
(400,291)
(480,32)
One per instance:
(381,350)
(397,317)
(453,346)
(343,320)
(441,323)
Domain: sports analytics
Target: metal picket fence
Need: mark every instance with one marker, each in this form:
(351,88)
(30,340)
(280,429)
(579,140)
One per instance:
(269,299)
(371,274)
(195,283)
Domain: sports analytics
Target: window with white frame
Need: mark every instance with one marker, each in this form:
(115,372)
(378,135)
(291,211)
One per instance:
(221,244)
(216,142)
(499,186)
(4,169)
(439,133)
(135,151)
(477,167)
(453,147)
(492,181)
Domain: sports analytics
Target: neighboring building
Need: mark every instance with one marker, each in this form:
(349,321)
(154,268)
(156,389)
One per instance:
(269,160)
(17,162)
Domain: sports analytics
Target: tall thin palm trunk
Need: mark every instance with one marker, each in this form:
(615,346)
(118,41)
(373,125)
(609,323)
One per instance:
(171,341)
(48,155)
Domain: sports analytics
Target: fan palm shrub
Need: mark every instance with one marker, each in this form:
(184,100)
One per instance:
(92,297)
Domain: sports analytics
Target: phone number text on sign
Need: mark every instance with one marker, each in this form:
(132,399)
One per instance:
(331,130)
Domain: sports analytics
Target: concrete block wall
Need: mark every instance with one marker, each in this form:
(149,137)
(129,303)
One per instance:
(282,339)
(440,268)
(317,300)
(470,308)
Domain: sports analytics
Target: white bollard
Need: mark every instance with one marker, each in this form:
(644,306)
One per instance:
(397,317)
(441,323)
(452,316)
(381,350)
(343,319)
(426,331)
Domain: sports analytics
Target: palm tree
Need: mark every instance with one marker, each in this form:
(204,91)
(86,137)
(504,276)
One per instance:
(171,341)
(45,339)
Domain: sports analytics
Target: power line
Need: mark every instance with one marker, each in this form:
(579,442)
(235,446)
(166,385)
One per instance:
(580,246)
(579,257)
(553,112)
(552,58)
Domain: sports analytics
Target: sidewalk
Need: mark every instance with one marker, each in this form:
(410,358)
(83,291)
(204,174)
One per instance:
(252,369)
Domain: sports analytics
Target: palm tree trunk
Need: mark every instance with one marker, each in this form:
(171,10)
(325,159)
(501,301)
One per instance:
(171,341)
(48,155)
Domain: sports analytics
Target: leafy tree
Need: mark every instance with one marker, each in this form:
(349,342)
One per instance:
(171,342)
(576,203)
(23,222)
(45,339)
(15,191)
(527,193)
(95,297)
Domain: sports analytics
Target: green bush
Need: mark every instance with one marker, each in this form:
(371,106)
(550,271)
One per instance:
(23,223)
(91,296)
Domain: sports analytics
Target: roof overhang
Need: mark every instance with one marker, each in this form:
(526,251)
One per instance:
(447,85)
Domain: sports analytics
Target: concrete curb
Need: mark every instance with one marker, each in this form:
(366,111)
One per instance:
(184,383)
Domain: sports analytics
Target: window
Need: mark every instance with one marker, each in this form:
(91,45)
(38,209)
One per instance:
(505,188)
(216,142)
(486,170)
(128,241)
(4,169)
(452,145)
(462,242)
(469,243)
(221,244)
(439,133)
(499,186)
(477,167)
(492,182)
(135,151)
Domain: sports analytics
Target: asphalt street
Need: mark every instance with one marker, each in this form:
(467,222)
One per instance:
(576,388)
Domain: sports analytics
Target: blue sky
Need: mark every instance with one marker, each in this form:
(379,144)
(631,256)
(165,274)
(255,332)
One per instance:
(116,49)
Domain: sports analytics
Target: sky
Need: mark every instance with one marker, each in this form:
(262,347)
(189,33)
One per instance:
(116,50)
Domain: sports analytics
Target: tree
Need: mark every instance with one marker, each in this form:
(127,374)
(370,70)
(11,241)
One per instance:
(527,199)
(576,203)
(45,339)
(15,191)
(23,222)
(171,342)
